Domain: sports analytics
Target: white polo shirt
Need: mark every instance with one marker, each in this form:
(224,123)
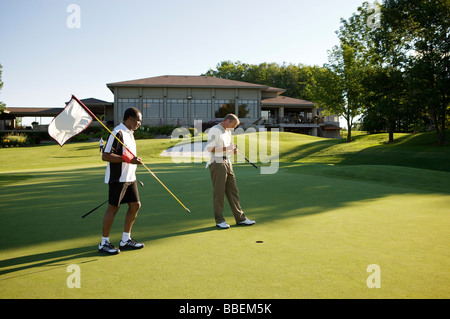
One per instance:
(219,137)
(120,172)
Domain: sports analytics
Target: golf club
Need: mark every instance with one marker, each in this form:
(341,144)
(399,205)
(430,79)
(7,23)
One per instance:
(140,183)
(95,208)
(247,160)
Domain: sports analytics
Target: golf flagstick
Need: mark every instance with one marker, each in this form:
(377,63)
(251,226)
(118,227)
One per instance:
(93,115)
(247,160)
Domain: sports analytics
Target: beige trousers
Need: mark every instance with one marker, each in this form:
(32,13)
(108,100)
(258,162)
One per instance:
(224,183)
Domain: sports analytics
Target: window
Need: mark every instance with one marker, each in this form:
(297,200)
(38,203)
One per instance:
(223,107)
(201,108)
(177,108)
(124,104)
(248,109)
(153,108)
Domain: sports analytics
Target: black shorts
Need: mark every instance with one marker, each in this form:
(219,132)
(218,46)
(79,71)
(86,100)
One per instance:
(120,193)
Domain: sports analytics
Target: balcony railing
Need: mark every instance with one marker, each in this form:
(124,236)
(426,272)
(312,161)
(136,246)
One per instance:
(294,120)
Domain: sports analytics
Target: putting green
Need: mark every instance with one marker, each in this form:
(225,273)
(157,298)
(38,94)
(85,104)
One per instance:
(318,229)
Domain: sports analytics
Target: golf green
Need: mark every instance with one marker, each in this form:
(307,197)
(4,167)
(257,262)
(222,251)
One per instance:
(320,224)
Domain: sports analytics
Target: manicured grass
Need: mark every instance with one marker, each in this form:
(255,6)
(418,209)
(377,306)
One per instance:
(323,218)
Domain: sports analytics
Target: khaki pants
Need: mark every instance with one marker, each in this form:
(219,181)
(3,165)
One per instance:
(224,182)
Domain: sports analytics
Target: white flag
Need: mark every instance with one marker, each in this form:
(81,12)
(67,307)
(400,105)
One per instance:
(74,119)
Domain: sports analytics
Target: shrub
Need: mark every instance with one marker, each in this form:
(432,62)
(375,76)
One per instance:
(14,140)
(158,130)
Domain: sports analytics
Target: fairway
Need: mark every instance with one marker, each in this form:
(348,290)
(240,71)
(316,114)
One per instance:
(330,211)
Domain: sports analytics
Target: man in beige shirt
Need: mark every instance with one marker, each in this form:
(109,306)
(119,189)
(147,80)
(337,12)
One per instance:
(222,175)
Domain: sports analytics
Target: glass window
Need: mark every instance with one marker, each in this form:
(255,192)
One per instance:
(201,108)
(153,108)
(177,108)
(124,104)
(248,109)
(223,107)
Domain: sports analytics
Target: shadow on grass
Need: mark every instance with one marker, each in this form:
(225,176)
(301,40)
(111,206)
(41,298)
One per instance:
(54,258)
(53,205)
(415,150)
(9,179)
(301,151)
(59,258)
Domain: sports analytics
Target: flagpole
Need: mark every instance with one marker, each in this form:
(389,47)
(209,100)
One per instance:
(96,118)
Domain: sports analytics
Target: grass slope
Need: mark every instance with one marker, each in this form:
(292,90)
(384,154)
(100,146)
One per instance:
(329,212)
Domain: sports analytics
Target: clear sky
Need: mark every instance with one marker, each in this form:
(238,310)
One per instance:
(44,61)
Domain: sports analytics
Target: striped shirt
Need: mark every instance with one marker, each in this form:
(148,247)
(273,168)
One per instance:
(120,172)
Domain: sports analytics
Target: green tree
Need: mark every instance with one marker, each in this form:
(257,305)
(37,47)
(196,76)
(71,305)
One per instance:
(427,25)
(337,87)
(327,90)
(387,100)
(387,92)
(293,78)
(340,89)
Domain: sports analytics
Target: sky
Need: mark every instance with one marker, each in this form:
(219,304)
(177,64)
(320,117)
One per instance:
(49,52)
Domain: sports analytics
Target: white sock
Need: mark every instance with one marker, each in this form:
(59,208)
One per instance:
(104,240)
(125,237)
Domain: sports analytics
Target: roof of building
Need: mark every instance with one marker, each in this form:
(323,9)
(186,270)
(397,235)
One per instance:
(34,111)
(273,89)
(285,101)
(94,101)
(187,81)
(25,111)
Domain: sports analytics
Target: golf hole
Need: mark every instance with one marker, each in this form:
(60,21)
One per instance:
(259,241)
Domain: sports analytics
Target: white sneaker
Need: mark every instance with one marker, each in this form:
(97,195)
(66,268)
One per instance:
(130,244)
(107,248)
(223,225)
(247,222)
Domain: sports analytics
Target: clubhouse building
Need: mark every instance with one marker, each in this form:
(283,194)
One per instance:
(179,100)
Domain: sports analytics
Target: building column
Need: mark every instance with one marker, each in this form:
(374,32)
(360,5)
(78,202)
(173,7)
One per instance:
(165,107)
(141,104)
(236,100)
(213,103)
(189,111)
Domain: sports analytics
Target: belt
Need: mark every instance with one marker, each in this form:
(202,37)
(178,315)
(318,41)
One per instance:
(216,157)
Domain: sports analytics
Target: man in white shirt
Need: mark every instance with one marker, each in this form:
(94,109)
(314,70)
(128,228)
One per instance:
(222,175)
(121,178)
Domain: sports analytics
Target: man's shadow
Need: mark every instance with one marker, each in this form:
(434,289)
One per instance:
(60,258)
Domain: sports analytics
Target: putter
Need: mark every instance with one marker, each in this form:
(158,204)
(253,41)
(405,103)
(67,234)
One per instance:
(247,160)
(140,183)
(95,208)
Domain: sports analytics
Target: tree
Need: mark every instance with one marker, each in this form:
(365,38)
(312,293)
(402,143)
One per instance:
(343,92)
(327,90)
(387,100)
(293,78)
(427,24)
(337,87)
(386,83)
